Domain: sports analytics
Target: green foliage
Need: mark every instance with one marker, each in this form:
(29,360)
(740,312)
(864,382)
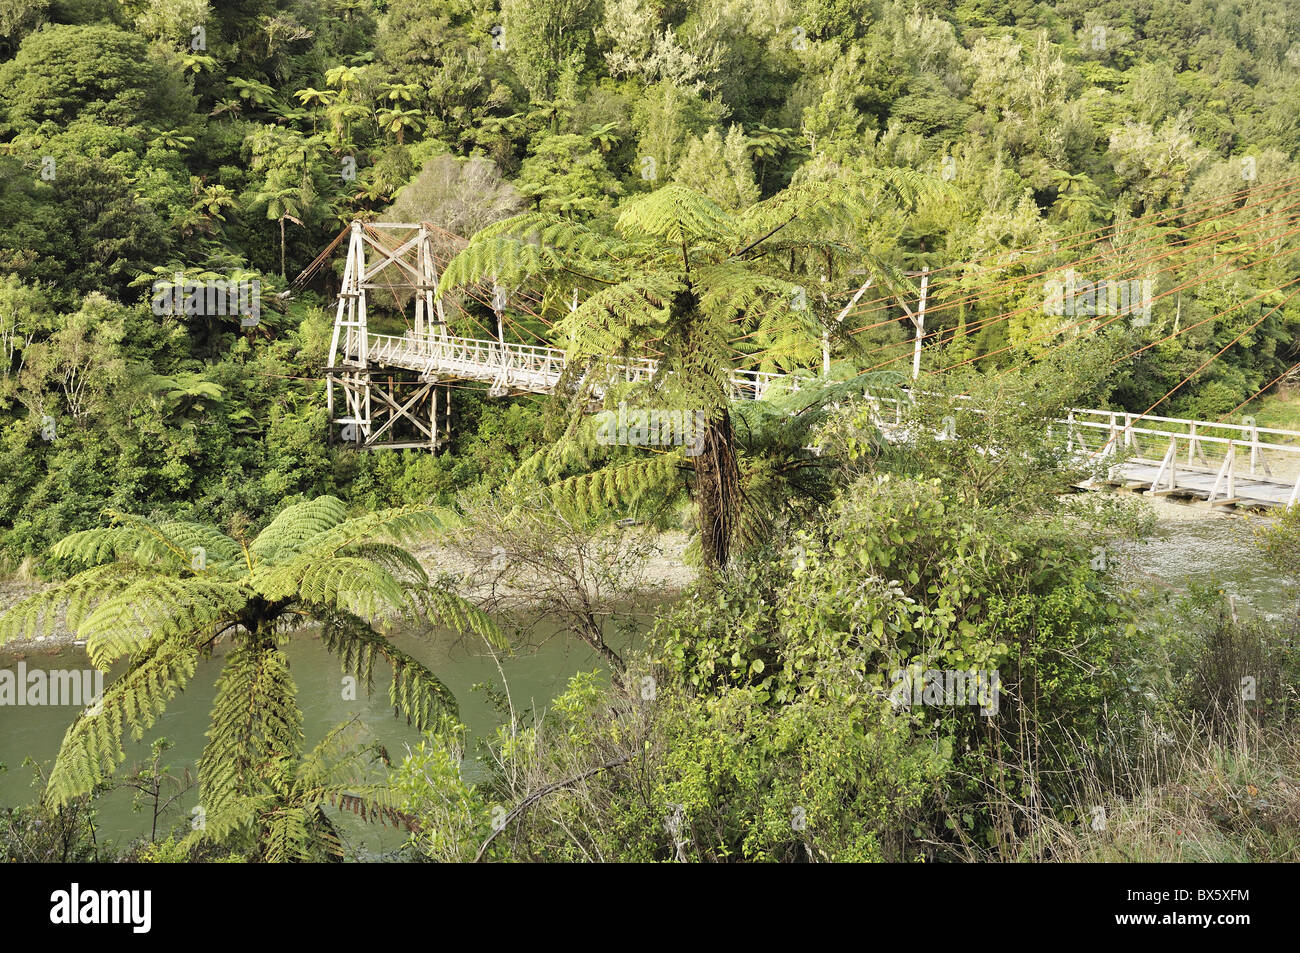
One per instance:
(160,594)
(694,170)
(566,176)
(97,73)
(42,834)
(432,787)
(905,576)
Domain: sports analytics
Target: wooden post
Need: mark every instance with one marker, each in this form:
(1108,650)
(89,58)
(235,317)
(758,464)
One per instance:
(498,308)
(917,317)
(1227,478)
(826,334)
(429,313)
(1168,471)
(919,321)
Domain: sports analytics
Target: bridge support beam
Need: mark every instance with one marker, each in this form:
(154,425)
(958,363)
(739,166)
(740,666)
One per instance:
(388,408)
(1166,478)
(370,402)
(1226,480)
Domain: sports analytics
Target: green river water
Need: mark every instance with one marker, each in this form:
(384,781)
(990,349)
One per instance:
(1210,551)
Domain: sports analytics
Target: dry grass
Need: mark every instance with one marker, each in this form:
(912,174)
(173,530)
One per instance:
(1199,797)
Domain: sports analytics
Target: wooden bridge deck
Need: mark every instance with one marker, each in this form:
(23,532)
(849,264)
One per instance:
(1196,484)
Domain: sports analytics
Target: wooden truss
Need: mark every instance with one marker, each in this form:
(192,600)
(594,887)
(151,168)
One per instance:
(374,405)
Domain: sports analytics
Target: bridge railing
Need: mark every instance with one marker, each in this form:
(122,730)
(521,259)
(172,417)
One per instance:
(1172,443)
(1193,447)
(526,365)
(1126,431)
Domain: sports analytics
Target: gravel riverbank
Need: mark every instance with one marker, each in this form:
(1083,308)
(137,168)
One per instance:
(663,573)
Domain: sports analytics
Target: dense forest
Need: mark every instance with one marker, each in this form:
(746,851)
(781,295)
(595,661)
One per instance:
(145,139)
(710,182)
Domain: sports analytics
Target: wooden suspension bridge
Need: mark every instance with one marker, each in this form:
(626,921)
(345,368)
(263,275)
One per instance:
(383,389)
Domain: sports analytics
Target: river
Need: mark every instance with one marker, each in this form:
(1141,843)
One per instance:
(1182,551)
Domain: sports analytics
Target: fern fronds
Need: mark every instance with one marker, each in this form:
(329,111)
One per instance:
(454,612)
(255,721)
(614,486)
(414,691)
(294,525)
(398,562)
(173,544)
(92,747)
(94,547)
(612,318)
(677,215)
(507,261)
(557,232)
(155,607)
(397,525)
(38,614)
(350,584)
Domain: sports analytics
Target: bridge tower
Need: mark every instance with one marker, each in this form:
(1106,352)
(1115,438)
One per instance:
(371,403)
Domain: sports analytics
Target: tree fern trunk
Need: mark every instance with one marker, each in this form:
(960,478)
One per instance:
(717,490)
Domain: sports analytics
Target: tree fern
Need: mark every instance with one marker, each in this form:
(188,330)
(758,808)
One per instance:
(695,287)
(158,594)
(92,747)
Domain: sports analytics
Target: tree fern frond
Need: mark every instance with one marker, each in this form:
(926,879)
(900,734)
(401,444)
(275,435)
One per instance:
(507,261)
(349,583)
(207,550)
(296,524)
(255,722)
(397,525)
(554,231)
(457,613)
(805,205)
(609,320)
(172,544)
(414,691)
(622,485)
(93,547)
(92,747)
(396,561)
(736,293)
(157,606)
(38,614)
(678,215)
